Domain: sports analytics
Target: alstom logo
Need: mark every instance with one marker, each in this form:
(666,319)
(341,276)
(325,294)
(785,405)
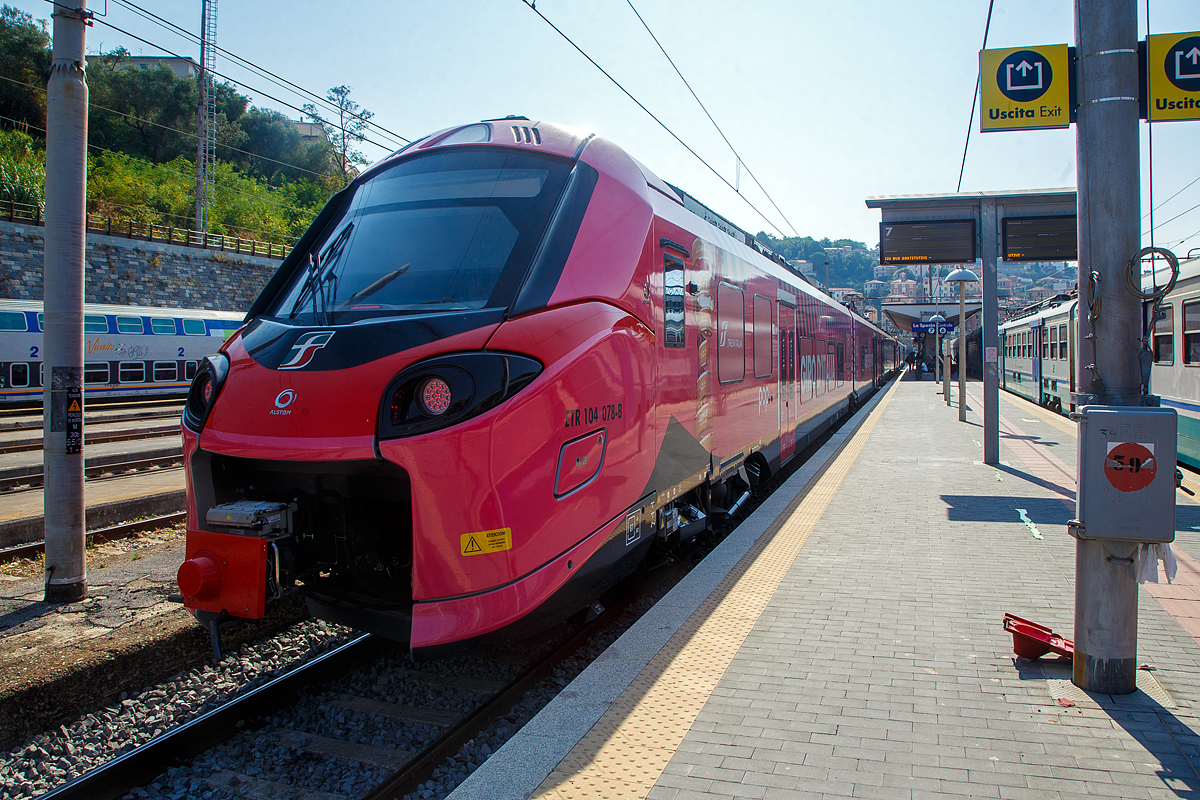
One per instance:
(305,348)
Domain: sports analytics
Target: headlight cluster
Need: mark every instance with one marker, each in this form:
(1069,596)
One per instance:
(210,377)
(446,390)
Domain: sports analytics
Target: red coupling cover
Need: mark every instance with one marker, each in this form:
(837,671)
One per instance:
(225,572)
(1031,640)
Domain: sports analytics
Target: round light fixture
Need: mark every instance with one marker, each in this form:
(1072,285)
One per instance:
(434,397)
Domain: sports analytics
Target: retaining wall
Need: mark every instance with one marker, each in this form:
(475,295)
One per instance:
(131,272)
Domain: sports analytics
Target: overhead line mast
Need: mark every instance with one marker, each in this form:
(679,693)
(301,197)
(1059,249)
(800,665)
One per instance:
(206,117)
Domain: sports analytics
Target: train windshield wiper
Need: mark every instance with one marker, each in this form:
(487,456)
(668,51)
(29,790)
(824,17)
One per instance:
(321,280)
(379,284)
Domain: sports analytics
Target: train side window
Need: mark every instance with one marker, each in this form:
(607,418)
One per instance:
(12,321)
(189,370)
(166,371)
(162,326)
(41,321)
(1054,341)
(130,325)
(731,334)
(18,374)
(673,327)
(95,323)
(96,373)
(1191,333)
(132,372)
(763,360)
(1164,335)
(194,327)
(1045,345)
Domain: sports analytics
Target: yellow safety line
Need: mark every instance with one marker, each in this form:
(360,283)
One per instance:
(627,750)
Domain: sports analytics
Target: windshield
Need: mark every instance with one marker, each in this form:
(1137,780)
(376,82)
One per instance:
(451,230)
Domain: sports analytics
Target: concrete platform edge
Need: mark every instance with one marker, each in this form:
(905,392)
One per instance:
(32,529)
(525,760)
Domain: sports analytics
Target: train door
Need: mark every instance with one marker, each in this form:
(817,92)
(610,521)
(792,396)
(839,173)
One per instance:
(1035,351)
(788,396)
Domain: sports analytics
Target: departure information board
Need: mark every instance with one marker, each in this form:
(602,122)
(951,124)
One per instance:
(1040,238)
(939,241)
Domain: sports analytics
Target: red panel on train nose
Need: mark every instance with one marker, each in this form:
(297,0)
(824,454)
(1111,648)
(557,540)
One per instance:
(242,561)
(579,461)
(200,576)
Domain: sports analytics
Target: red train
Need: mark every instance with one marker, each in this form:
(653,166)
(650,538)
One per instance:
(497,367)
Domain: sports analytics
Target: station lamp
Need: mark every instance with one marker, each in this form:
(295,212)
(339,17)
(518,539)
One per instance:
(962,277)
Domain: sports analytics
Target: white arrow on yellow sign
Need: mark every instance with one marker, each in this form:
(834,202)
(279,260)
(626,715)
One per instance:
(1025,88)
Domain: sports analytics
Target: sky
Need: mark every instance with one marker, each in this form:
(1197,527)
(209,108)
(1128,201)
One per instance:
(826,102)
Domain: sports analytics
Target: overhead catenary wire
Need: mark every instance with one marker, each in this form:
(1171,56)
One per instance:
(169,128)
(987,26)
(651,114)
(278,80)
(386,147)
(741,162)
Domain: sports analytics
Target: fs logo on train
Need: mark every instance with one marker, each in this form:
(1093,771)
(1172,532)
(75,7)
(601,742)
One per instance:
(305,348)
(1130,466)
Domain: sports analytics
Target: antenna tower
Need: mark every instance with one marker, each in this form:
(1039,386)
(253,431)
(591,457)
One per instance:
(206,118)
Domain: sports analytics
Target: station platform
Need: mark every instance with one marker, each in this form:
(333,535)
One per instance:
(846,641)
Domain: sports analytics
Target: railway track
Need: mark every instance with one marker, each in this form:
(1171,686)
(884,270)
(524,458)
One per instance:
(21,445)
(33,478)
(98,536)
(334,687)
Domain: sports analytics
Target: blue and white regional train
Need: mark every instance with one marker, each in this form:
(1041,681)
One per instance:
(1038,355)
(131,352)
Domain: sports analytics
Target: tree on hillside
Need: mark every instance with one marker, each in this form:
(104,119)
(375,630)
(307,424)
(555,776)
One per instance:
(275,151)
(147,113)
(24,57)
(346,130)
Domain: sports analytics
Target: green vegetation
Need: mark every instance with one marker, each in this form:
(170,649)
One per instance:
(270,183)
(850,263)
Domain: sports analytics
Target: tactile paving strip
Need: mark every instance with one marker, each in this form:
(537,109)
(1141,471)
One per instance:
(627,750)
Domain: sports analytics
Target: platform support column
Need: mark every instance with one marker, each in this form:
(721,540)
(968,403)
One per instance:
(63,291)
(1109,211)
(990,340)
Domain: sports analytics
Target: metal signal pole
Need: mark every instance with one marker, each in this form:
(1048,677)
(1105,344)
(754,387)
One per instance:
(1107,373)
(62,398)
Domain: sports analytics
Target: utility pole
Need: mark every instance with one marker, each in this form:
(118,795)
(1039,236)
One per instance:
(1110,328)
(63,278)
(206,117)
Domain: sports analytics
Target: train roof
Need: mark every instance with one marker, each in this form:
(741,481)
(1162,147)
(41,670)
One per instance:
(1034,319)
(109,308)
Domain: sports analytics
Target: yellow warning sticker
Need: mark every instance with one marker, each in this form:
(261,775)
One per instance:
(473,544)
(74,406)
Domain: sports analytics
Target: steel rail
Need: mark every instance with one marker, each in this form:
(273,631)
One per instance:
(142,764)
(34,480)
(111,533)
(159,431)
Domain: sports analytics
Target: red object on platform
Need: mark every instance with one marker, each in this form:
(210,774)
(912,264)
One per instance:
(1031,640)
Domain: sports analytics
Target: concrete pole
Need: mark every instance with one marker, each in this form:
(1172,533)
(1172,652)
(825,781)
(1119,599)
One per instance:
(62,403)
(990,340)
(1107,164)
(962,352)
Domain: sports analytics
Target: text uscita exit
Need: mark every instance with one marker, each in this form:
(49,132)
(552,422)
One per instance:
(1025,113)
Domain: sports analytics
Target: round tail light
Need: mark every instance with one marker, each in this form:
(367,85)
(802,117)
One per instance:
(434,397)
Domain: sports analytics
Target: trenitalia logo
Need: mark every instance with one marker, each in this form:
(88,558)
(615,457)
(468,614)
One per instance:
(305,348)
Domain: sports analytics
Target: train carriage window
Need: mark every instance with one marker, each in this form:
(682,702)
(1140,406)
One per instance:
(841,362)
(1045,345)
(162,326)
(41,321)
(194,327)
(129,325)
(731,338)
(1062,341)
(1054,341)
(763,357)
(18,374)
(165,371)
(12,321)
(1191,333)
(95,323)
(95,373)
(189,370)
(673,301)
(1164,335)
(132,372)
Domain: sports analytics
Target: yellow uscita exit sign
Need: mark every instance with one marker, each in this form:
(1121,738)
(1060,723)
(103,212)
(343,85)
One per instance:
(1025,88)
(1173,76)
